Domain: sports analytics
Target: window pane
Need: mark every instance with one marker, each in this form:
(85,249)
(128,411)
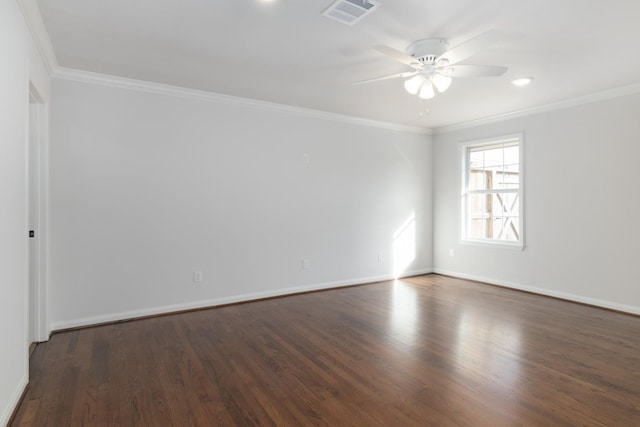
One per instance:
(512,158)
(508,203)
(477,228)
(476,159)
(494,167)
(507,179)
(480,218)
(505,216)
(494,216)
(494,159)
(478,179)
(480,204)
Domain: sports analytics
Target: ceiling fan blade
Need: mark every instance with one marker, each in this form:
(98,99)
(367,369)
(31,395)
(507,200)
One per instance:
(470,47)
(473,71)
(398,56)
(392,76)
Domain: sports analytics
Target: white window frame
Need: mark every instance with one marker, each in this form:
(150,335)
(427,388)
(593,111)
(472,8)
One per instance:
(464,199)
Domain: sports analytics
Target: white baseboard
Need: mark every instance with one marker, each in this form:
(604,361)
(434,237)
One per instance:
(13,402)
(542,291)
(151,311)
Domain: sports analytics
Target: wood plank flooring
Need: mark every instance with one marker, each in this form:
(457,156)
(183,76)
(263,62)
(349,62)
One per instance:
(424,351)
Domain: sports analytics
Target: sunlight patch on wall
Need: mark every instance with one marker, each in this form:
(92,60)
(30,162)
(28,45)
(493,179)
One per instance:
(404,246)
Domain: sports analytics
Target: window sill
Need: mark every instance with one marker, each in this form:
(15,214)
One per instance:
(516,246)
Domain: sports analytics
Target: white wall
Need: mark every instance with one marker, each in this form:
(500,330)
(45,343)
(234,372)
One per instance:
(19,63)
(581,205)
(147,188)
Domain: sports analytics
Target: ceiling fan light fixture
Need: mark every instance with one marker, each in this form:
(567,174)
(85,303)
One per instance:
(522,81)
(414,83)
(441,82)
(426,91)
(435,65)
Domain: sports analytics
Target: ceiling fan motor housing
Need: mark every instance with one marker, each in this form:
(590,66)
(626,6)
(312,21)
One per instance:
(427,50)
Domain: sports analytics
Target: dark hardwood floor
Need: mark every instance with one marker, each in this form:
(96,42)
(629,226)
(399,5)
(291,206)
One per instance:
(429,350)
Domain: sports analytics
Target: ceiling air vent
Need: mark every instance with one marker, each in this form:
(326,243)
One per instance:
(350,11)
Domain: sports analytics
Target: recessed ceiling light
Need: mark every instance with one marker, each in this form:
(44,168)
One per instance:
(522,81)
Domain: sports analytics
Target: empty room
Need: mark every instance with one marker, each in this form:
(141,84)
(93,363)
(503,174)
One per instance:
(319,213)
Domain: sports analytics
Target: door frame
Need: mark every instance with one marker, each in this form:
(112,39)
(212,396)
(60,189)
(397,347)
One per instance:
(38,218)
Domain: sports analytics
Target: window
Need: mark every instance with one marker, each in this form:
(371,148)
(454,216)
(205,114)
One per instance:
(492,191)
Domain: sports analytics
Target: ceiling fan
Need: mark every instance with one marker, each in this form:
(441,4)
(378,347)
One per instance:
(434,64)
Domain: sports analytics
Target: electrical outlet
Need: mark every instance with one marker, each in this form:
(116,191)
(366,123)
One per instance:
(451,252)
(306,159)
(380,256)
(197,277)
(305,264)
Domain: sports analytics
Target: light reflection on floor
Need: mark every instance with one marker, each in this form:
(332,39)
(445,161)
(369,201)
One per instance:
(404,312)
(483,349)
(492,344)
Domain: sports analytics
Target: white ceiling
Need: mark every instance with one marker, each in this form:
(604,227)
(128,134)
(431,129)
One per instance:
(286,52)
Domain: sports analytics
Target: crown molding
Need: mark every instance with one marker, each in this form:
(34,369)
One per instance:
(43,43)
(560,105)
(36,26)
(182,92)
(33,18)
